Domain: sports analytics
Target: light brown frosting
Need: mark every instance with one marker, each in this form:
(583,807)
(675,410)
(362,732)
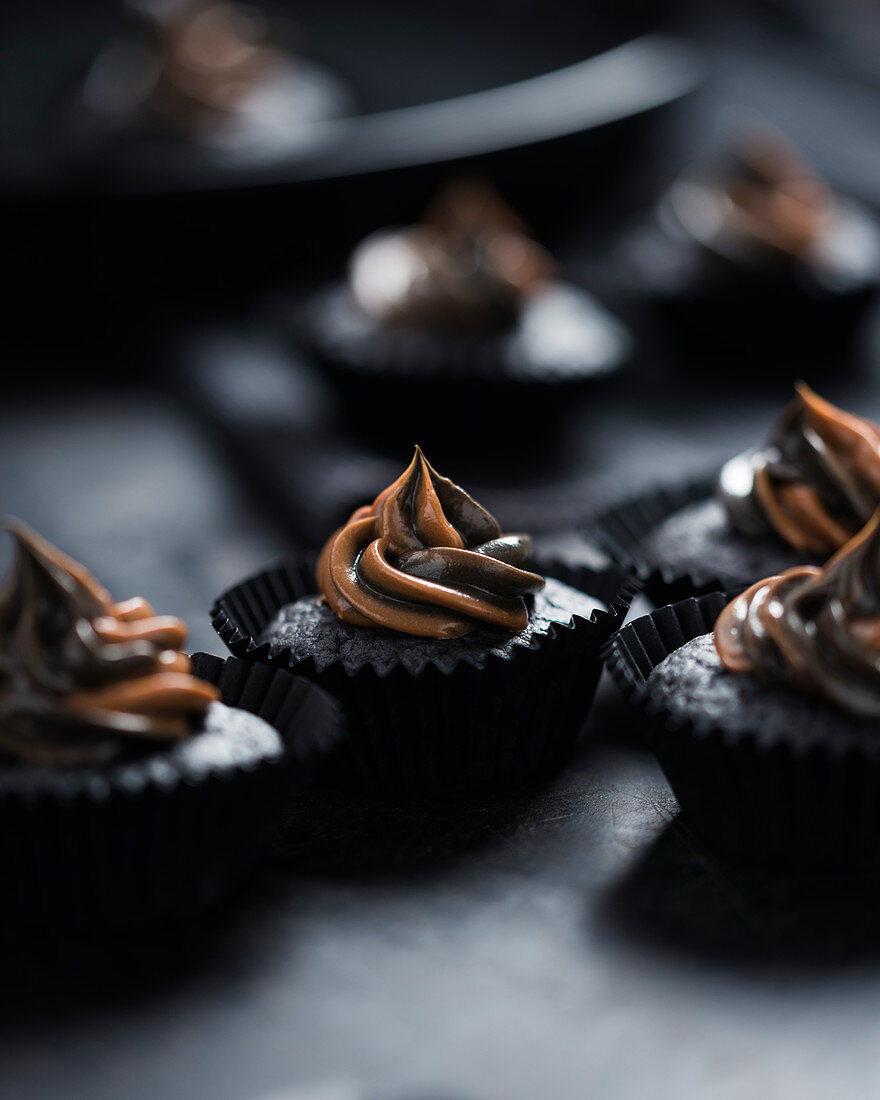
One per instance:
(817,629)
(210,56)
(768,202)
(469,264)
(776,197)
(80,673)
(424,558)
(815,482)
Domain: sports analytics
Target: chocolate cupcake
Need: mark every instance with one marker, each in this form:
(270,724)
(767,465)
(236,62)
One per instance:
(459,669)
(129,792)
(765,711)
(797,498)
(757,253)
(464,309)
(212,76)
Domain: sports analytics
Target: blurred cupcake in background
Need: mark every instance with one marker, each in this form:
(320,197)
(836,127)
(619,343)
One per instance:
(755,252)
(213,73)
(456,315)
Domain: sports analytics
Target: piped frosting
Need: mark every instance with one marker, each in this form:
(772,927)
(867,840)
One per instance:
(82,676)
(468,265)
(815,482)
(424,558)
(209,57)
(816,629)
(765,203)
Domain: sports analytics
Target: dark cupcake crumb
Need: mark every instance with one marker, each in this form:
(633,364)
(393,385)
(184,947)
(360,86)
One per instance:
(698,540)
(693,685)
(561,335)
(227,739)
(310,629)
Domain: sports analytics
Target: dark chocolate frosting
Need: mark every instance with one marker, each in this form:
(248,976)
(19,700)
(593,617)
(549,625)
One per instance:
(82,676)
(468,265)
(424,558)
(818,629)
(815,482)
(764,205)
(209,55)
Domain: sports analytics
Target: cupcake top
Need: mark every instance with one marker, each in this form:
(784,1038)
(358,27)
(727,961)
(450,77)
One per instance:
(765,205)
(210,54)
(815,482)
(817,629)
(425,559)
(468,265)
(189,69)
(83,677)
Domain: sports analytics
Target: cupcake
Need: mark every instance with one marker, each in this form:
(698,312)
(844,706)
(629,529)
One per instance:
(129,792)
(765,711)
(459,669)
(465,308)
(796,498)
(758,253)
(211,74)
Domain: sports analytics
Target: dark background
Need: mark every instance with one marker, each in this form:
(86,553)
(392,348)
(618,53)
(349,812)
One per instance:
(576,943)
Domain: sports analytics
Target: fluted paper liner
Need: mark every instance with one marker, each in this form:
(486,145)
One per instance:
(506,722)
(621,532)
(757,794)
(154,839)
(441,378)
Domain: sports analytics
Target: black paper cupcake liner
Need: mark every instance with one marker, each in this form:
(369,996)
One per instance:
(622,530)
(395,381)
(755,320)
(163,837)
(443,733)
(832,325)
(755,794)
(308,718)
(509,357)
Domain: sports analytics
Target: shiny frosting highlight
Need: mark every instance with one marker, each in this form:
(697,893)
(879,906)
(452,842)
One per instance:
(767,203)
(424,558)
(82,675)
(814,483)
(468,265)
(816,629)
(209,56)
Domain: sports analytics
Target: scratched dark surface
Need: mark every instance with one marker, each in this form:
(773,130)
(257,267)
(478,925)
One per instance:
(579,942)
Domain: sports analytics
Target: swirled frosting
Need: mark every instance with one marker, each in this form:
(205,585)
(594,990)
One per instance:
(815,482)
(81,675)
(818,629)
(424,558)
(209,57)
(766,204)
(468,265)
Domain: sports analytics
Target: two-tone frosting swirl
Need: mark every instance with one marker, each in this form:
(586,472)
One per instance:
(82,675)
(209,56)
(814,483)
(467,266)
(766,205)
(817,629)
(424,558)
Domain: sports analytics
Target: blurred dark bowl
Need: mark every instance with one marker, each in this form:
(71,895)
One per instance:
(503,89)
